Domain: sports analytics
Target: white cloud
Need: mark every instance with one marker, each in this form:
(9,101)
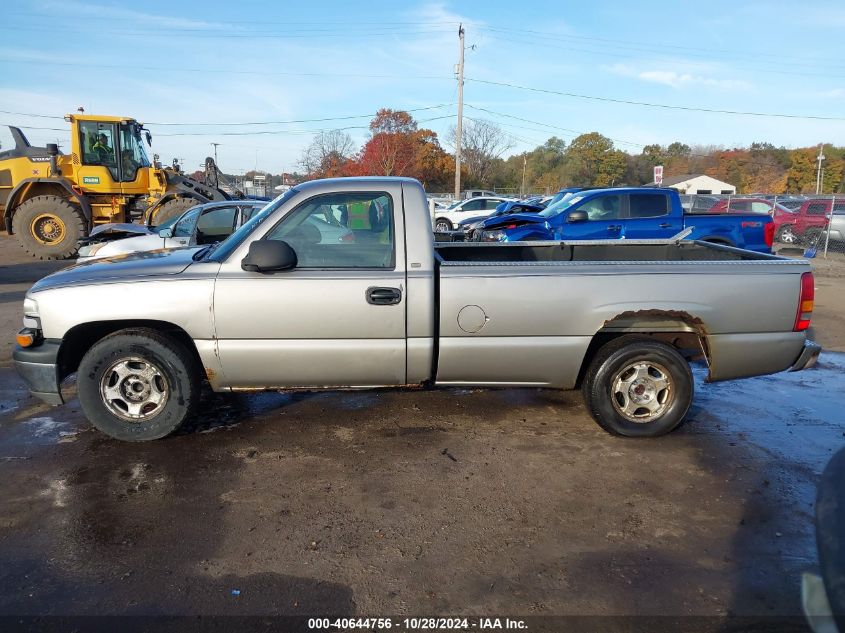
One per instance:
(76,9)
(676,79)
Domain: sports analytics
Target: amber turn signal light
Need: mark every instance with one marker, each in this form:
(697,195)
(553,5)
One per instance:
(25,338)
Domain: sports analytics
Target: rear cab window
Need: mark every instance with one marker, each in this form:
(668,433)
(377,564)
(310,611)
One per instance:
(647,205)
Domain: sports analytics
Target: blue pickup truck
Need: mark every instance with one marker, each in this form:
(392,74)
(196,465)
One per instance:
(628,213)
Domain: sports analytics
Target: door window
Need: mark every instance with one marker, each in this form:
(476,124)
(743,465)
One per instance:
(215,225)
(473,205)
(185,226)
(340,230)
(602,208)
(648,205)
(99,145)
(491,204)
(817,208)
(761,207)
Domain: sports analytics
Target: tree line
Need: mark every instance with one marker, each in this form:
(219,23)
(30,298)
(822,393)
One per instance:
(397,146)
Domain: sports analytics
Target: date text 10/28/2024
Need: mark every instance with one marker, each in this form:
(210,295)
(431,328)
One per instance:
(417,624)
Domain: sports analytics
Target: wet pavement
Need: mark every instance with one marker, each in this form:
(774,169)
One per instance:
(424,502)
(470,501)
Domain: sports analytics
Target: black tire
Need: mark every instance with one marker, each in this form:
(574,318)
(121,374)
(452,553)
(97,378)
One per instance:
(812,237)
(49,227)
(610,364)
(172,209)
(442,224)
(177,377)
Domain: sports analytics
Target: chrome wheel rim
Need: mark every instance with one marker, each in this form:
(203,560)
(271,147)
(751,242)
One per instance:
(642,391)
(134,389)
(787,236)
(441,226)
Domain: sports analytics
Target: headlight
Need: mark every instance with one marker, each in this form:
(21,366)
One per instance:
(493,236)
(31,318)
(90,249)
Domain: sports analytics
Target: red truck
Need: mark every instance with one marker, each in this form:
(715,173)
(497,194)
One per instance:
(803,223)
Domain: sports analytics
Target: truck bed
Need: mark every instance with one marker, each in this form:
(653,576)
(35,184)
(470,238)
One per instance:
(596,251)
(491,295)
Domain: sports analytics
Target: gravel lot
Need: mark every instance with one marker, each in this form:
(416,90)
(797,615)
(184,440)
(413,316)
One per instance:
(479,502)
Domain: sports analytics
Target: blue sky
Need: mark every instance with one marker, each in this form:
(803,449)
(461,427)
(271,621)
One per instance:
(218,62)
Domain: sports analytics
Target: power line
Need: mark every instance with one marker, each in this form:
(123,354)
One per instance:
(217,71)
(656,105)
(635,45)
(244,123)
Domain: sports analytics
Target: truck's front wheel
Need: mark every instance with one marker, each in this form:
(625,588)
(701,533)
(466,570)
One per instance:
(638,387)
(137,385)
(49,227)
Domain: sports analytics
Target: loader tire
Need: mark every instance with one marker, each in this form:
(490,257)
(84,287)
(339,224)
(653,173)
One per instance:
(172,209)
(49,227)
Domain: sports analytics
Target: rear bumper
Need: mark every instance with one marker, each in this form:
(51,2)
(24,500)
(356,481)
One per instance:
(809,356)
(39,368)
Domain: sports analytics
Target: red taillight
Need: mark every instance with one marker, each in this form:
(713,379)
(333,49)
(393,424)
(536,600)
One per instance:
(347,237)
(769,234)
(511,226)
(805,303)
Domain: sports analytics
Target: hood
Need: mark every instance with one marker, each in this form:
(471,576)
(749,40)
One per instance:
(120,268)
(515,218)
(119,229)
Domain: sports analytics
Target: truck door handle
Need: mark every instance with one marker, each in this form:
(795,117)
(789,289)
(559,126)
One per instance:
(664,225)
(383,296)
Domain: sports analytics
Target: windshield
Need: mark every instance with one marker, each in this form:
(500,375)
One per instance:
(561,205)
(222,250)
(132,150)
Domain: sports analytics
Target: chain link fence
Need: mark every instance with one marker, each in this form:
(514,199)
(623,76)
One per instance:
(815,223)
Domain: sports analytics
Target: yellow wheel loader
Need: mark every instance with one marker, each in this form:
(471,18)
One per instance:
(51,200)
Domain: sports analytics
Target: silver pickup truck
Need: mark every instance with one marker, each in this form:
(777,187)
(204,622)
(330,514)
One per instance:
(279,305)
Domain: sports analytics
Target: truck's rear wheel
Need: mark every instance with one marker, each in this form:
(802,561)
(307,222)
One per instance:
(49,227)
(172,209)
(638,387)
(138,385)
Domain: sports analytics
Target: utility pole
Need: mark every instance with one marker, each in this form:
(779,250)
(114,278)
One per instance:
(819,183)
(524,164)
(460,113)
(215,152)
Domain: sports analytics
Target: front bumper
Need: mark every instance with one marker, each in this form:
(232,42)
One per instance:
(809,356)
(39,368)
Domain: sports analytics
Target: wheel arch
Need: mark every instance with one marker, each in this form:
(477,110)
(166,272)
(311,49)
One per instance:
(682,330)
(79,339)
(31,187)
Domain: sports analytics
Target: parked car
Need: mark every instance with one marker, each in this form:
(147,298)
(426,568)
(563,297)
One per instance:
(510,207)
(477,193)
(804,223)
(482,206)
(199,225)
(274,307)
(628,213)
(837,222)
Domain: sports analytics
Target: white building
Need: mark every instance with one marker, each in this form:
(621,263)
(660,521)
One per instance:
(698,183)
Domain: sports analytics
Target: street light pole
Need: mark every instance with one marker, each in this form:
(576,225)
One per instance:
(819,182)
(215,152)
(460,113)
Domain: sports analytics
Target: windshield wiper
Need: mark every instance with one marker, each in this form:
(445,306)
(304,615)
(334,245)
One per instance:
(201,253)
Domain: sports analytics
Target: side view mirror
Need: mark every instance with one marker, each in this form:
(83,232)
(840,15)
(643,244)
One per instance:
(577,216)
(165,233)
(267,256)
